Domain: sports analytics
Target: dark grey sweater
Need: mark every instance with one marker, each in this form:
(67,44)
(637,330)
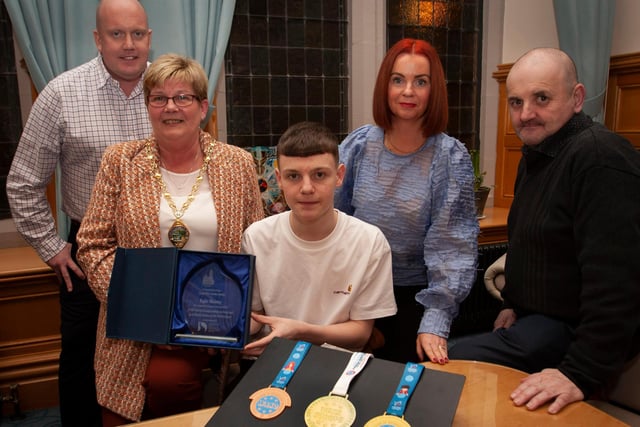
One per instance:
(574,245)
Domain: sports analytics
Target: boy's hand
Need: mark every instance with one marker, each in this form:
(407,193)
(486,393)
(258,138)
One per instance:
(280,327)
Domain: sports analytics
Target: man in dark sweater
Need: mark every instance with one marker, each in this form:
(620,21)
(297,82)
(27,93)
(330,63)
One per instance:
(571,313)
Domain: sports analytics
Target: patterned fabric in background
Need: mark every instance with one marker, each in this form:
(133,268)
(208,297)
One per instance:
(272,197)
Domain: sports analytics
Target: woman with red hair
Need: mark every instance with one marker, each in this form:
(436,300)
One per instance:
(415,182)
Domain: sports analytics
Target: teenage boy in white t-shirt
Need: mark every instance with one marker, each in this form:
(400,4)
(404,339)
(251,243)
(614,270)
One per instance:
(321,276)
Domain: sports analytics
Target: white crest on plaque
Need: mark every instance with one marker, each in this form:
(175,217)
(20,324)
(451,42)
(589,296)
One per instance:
(208,280)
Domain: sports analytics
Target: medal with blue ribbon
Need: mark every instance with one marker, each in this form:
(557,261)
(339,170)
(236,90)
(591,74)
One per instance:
(268,403)
(394,416)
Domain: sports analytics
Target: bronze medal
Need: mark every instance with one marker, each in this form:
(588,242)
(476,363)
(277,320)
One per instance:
(330,411)
(178,234)
(268,403)
(387,421)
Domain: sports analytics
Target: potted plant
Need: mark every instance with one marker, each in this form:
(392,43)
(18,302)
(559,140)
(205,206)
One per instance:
(481,191)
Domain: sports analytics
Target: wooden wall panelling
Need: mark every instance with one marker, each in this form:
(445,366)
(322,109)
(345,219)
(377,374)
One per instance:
(622,108)
(507,145)
(29,329)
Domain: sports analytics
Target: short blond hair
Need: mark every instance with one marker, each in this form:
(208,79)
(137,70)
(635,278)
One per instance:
(176,67)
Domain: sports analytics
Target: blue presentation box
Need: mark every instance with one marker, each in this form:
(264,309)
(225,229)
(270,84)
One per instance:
(180,297)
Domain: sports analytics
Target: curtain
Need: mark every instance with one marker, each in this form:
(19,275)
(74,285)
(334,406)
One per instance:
(57,35)
(53,35)
(585,30)
(197,28)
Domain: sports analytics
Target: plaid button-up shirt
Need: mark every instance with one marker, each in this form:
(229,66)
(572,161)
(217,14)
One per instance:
(75,117)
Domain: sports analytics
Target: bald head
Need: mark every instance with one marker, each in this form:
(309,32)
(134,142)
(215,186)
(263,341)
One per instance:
(550,59)
(543,94)
(109,7)
(123,38)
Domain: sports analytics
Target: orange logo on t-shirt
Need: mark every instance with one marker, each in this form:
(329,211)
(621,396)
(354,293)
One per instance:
(347,292)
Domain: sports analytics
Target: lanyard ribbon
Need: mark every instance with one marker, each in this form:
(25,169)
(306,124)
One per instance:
(408,382)
(291,365)
(356,364)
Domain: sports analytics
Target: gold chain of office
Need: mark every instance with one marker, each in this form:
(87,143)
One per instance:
(178,232)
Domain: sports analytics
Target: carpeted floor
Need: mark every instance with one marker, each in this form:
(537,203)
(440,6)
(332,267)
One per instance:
(49,417)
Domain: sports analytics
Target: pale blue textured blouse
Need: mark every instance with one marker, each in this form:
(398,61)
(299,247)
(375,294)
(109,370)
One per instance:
(424,204)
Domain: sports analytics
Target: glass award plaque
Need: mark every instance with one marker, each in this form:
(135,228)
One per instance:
(211,303)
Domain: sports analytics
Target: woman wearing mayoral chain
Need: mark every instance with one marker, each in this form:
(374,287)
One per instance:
(179,187)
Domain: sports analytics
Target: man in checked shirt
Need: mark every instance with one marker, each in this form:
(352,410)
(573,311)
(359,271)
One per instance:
(75,117)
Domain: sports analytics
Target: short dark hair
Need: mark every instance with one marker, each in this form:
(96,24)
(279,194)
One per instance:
(436,115)
(306,139)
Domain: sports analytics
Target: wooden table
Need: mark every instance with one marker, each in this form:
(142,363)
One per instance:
(189,419)
(484,402)
(493,227)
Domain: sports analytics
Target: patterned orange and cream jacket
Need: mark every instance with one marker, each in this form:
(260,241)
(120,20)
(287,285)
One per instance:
(123,211)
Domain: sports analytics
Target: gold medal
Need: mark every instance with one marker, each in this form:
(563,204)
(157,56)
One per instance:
(269,402)
(178,234)
(330,411)
(335,410)
(387,421)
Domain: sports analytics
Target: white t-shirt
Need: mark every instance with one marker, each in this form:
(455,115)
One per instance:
(345,276)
